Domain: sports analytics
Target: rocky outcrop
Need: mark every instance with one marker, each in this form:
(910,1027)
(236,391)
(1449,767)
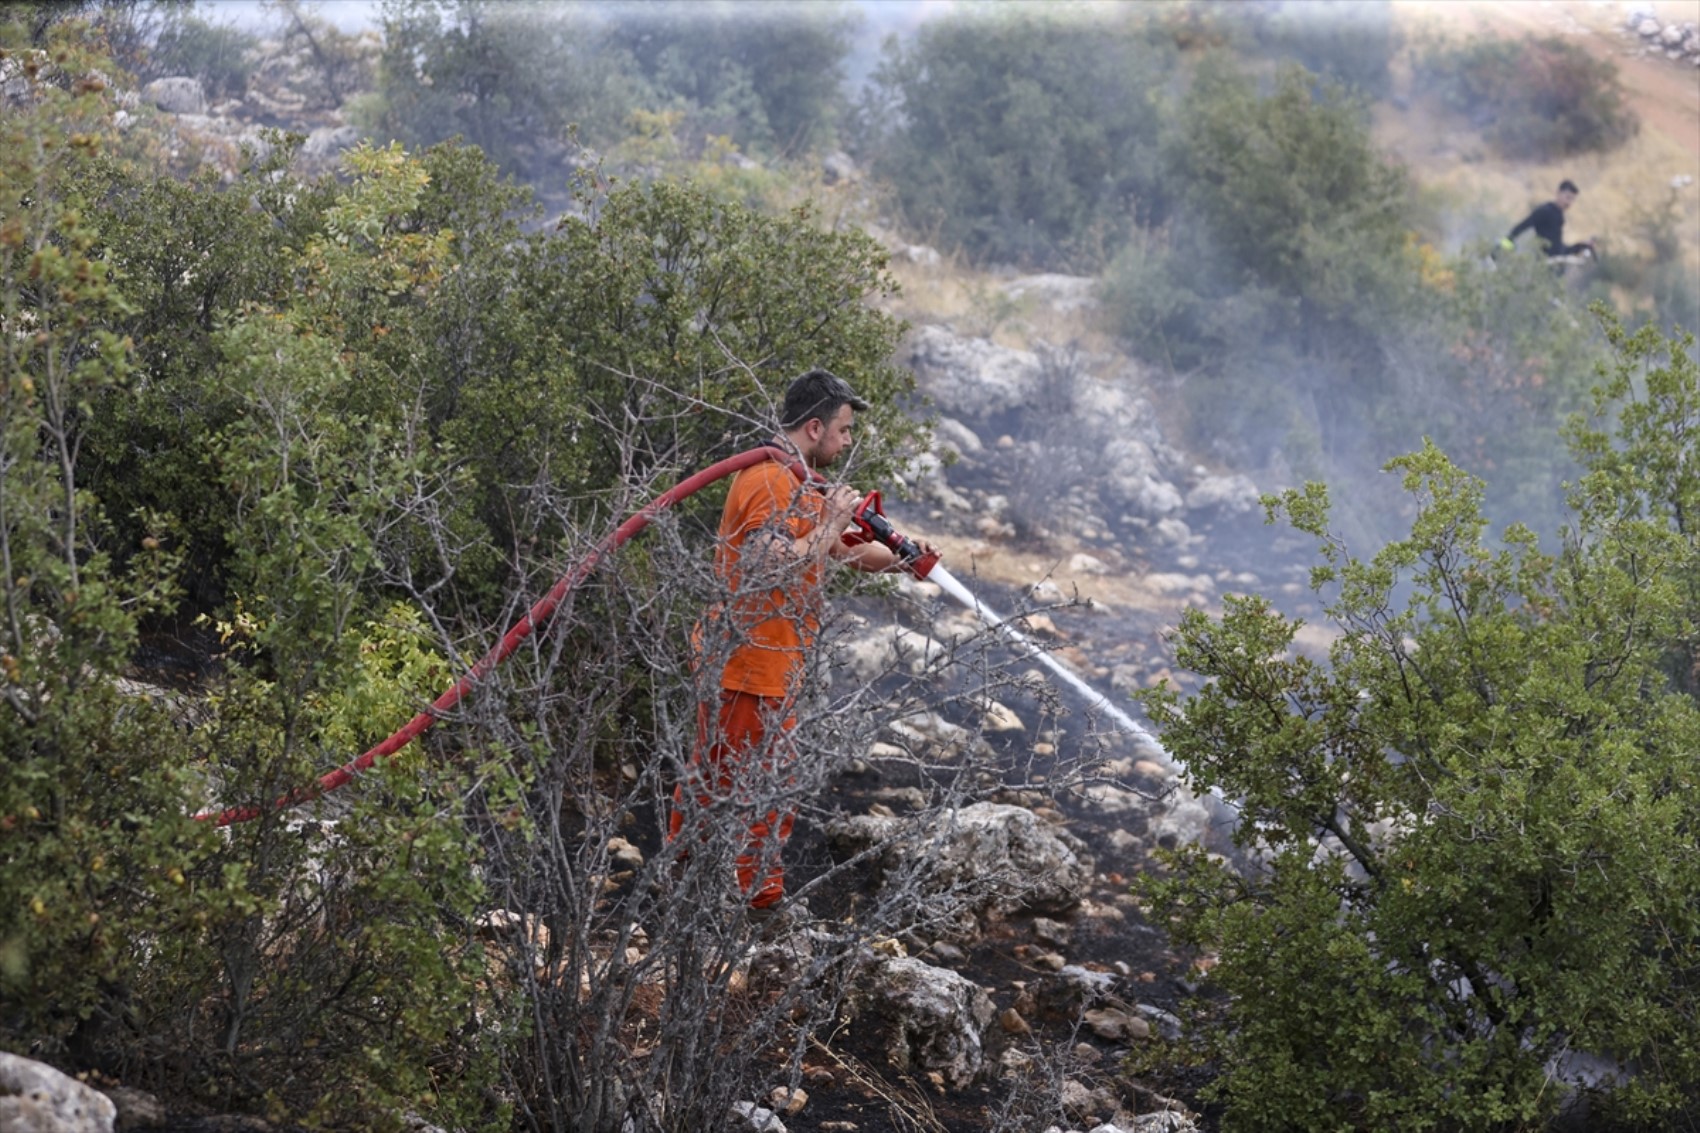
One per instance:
(1151,1123)
(176,95)
(936,1020)
(137,1109)
(748,1117)
(987,857)
(1067,994)
(1061,293)
(971,377)
(1085,427)
(36,1098)
(1676,40)
(1235,494)
(289,88)
(838,168)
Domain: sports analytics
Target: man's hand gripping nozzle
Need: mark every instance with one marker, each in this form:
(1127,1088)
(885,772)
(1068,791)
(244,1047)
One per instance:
(873,526)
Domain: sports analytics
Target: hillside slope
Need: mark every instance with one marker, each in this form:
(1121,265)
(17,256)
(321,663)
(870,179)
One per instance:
(1481,192)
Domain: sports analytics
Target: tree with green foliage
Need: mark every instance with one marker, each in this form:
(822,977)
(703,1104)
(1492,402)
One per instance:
(1280,274)
(191,257)
(767,78)
(133,939)
(514,80)
(365,419)
(1489,358)
(1285,190)
(1021,138)
(1315,330)
(216,54)
(93,838)
(1348,43)
(1471,872)
(124,32)
(518,347)
(1533,98)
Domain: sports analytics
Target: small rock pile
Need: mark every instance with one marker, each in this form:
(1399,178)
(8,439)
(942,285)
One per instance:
(1679,42)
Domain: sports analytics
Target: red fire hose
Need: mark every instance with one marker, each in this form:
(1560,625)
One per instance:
(536,616)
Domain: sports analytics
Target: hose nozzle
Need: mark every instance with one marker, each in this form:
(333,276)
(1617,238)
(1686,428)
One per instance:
(872,525)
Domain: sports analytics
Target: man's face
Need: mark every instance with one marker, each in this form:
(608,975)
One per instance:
(1564,199)
(834,437)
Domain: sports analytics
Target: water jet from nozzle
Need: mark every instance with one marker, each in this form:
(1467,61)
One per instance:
(951,585)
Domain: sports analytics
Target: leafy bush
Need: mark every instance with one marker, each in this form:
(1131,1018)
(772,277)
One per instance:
(767,78)
(1273,281)
(1489,364)
(333,962)
(1315,334)
(214,53)
(1471,830)
(1348,43)
(511,79)
(1661,278)
(1290,191)
(132,938)
(93,835)
(356,392)
(1535,99)
(341,63)
(1020,138)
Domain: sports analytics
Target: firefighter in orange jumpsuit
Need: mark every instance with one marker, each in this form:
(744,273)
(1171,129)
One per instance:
(776,535)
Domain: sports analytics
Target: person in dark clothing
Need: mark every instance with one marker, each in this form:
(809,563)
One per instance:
(1548,222)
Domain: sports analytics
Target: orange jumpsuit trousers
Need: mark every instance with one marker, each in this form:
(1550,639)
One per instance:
(732,755)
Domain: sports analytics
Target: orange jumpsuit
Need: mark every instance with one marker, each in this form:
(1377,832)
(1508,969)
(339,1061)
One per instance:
(763,631)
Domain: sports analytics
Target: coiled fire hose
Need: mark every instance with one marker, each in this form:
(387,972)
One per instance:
(868,519)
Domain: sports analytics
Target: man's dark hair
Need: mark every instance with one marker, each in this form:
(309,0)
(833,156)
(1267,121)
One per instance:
(1568,187)
(817,393)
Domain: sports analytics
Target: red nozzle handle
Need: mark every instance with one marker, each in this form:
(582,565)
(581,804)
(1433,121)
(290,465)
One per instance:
(873,526)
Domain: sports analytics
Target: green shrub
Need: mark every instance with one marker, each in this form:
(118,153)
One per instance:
(1022,138)
(326,977)
(95,839)
(332,967)
(1666,290)
(214,53)
(1495,360)
(767,78)
(1534,99)
(515,80)
(1472,827)
(190,256)
(1347,43)
(1275,278)
(1289,190)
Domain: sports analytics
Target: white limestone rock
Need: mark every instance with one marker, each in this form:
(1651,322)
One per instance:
(328,141)
(953,434)
(36,1098)
(1061,293)
(937,1020)
(178,94)
(989,856)
(1234,494)
(971,377)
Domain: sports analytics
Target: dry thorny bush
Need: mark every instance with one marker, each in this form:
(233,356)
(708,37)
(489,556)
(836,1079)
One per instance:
(636,991)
